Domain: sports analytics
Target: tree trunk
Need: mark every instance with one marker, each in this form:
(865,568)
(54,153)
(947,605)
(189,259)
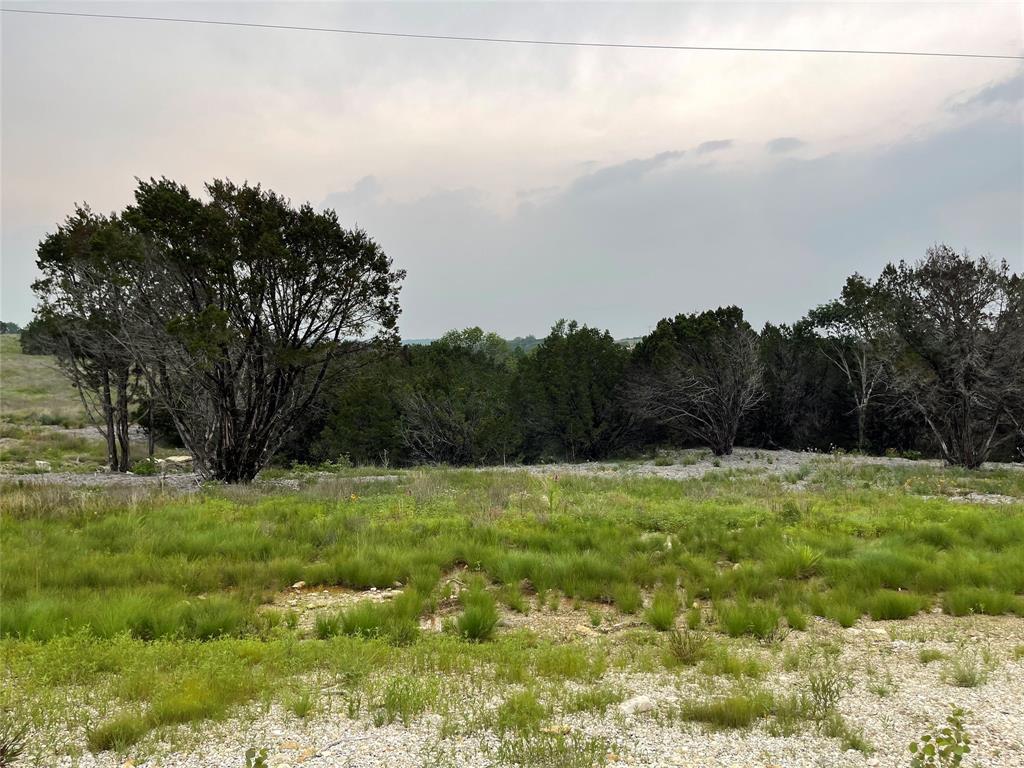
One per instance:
(123,437)
(108,418)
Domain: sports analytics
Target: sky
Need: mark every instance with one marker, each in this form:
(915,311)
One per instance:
(522,184)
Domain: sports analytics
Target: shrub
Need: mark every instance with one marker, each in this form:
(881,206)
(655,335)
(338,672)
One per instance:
(479,616)
(928,655)
(662,613)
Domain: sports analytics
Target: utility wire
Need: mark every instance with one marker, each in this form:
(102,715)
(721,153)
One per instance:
(518,41)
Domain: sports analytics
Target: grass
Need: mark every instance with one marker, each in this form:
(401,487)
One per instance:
(155,602)
(663,609)
(760,620)
(33,391)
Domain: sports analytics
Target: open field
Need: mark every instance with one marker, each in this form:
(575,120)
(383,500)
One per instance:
(825,615)
(32,390)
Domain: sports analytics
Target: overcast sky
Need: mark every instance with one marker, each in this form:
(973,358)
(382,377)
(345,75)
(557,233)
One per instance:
(521,184)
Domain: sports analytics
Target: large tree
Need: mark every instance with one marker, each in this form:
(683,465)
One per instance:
(699,374)
(960,322)
(82,292)
(858,342)
(566,394)
(243,304)
(455,409)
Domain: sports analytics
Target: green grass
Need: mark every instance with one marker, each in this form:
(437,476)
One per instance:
(663,609)
(155,602)
(33,390)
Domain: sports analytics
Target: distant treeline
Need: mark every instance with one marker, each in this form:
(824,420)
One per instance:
(254,331)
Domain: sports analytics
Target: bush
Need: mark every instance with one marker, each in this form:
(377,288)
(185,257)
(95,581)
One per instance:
(662,613)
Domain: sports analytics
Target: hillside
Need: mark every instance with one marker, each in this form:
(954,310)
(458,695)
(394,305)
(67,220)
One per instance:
(33,390)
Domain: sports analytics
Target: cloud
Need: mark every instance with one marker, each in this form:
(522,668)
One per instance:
(784,144)
(1009,91)
(624,173)
(714,146)
(776,239)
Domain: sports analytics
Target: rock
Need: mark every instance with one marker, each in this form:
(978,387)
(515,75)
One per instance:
(43,465)
(583,629)
(179,460)
(636,705)
(298,585)
(560,729)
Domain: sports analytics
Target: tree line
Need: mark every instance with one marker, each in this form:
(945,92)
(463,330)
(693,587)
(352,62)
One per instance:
(252,330)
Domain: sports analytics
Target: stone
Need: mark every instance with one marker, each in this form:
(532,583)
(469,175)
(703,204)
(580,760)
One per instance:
(636,705)
(298,585)
(43,465)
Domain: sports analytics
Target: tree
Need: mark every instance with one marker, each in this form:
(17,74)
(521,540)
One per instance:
(960,323)
(456,408)
(82,292)
(243,303)
(858,343)
(700,374)
(566,394)
(804,402)
(9,328)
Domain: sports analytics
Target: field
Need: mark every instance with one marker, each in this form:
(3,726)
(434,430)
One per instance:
(821,616)
(768,608)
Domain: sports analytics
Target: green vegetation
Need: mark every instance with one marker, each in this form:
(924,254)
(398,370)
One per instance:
(157,602)
(33,390)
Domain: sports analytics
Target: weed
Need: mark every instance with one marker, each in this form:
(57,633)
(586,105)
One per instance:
(965,670)
(835,727)
(928,655)
(684,648)
(256,758)
(302,703)
(13,733)
(945,747)
(520,712)
(825,687)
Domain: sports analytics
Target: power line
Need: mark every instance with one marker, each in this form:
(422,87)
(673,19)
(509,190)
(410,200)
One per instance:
(518,41)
